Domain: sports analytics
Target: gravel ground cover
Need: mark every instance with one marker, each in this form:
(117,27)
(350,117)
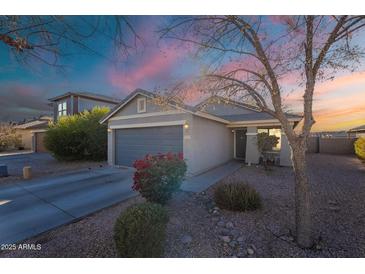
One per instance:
(197,228)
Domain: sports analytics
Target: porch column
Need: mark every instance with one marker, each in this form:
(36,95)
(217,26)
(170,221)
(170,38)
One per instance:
(285,151)
(33,142)
(252,152)
(111,147)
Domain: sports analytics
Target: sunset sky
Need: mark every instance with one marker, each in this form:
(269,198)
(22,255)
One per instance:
(24,89)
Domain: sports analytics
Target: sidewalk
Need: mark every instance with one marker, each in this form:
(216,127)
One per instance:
(203,181)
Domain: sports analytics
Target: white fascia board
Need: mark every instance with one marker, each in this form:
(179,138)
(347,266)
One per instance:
(260,122)
(38,130)
(210,117)
(151,114)
(143,125)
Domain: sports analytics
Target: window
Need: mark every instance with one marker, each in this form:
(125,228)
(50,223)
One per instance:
(62,109)
(141,105)
(272,131)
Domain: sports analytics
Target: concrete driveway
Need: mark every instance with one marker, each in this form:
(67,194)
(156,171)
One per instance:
(31,207)
(42,164)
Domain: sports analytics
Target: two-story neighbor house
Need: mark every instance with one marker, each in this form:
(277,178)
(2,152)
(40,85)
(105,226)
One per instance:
(68,104)
(27,130)
(75,102)
(209,134)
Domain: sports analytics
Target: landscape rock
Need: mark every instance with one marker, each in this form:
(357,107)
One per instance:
(233,244)
(334,208)
(234,233)
(220,223)
(229,225)
(250,251)
(215,219)
(225,231)
(287,238)
(186,239)
(242,253)
(226,239)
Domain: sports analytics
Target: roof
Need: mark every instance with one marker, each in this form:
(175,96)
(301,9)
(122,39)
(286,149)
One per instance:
(218,99)
(360,128)
(89,95)
(33,124)
(147,94)
(255,117)
(198,109)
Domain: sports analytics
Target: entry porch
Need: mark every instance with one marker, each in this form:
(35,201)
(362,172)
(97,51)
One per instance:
(245,144)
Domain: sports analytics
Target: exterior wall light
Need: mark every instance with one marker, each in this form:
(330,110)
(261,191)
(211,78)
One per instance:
(186,125)
(109,130)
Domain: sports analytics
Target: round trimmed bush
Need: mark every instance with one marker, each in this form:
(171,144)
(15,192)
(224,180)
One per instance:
(237,196)
(139,232)
(360,147)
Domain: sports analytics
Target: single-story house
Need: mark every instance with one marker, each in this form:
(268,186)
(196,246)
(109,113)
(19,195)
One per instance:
(31,132)
(209,134)
(357,131)
(71,103)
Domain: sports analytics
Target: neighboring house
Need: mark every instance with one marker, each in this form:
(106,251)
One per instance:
(209,134)
(75,102)
(357,131)
(330,134)
(29,131)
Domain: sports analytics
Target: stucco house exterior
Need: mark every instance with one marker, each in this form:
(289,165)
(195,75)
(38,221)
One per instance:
(209,134)
(71,103)
(357,131)
(28,130)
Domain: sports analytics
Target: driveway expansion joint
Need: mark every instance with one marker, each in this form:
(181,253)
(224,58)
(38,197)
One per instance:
(45,201)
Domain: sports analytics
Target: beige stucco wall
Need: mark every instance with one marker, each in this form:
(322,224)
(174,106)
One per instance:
(211,144)
(252,153)
(26,137)
(151,107)
(285,151)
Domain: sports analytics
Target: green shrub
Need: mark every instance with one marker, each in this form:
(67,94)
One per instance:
(139,232)
(237,196)
(79,137)
(360,147)
(266,142)
(158,177)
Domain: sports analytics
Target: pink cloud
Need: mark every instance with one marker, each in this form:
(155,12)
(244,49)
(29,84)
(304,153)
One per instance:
(156,64)
(339,83)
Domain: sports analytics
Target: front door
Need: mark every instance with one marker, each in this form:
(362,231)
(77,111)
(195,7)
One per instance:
(241,143)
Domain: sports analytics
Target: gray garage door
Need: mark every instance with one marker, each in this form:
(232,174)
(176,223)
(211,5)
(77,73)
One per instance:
(134,143)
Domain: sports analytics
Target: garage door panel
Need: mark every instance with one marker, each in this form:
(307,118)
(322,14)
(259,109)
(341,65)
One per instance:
(134,143)
(143,143)
(152,136)
(39,142)
(149,151)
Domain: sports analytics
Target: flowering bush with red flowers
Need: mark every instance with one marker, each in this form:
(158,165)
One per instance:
(157,177)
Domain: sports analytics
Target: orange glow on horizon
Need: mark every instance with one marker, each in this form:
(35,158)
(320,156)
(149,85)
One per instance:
(338,104)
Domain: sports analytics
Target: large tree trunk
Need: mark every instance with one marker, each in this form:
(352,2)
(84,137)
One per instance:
(302,196)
